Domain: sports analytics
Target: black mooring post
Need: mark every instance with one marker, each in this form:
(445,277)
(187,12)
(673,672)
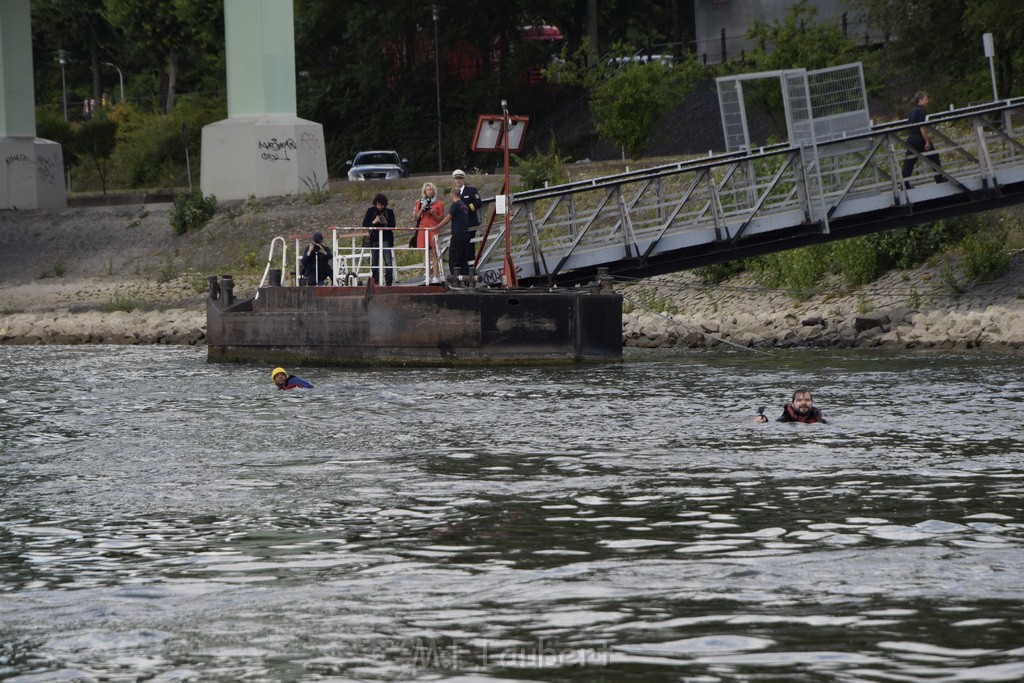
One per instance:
(227,285)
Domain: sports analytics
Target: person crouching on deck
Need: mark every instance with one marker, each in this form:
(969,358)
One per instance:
(316,262)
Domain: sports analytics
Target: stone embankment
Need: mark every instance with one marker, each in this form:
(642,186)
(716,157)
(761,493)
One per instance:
(903,310)
(172,326)
(901,328)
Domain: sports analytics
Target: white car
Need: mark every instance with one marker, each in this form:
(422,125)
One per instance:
(377,165)
(619,62)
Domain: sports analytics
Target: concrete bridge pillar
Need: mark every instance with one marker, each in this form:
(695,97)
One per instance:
(32,174)
(262,149)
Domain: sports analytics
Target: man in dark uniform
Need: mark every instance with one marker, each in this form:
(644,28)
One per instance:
(471,198)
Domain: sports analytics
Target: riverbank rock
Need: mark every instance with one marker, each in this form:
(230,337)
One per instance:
(902,310)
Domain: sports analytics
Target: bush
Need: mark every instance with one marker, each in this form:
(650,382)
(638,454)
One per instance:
(985,254)
(799,270)
(542,168)
(50,126)
(149,150)
(191,211)
(913,246)
(316,192)
(859,260)
(984,247)
(719,272)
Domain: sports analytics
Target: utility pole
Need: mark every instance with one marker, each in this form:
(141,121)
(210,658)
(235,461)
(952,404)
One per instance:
(437,82)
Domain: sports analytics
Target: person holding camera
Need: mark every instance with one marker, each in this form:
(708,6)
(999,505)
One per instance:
(378,219)
(428,212)
(316,261)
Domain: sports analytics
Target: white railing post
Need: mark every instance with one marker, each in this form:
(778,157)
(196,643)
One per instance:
(270,260)
(426,255)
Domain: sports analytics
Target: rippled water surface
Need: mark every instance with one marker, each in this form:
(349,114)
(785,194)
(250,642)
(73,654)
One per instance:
(165,519)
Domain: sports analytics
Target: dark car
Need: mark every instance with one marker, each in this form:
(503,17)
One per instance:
(377,165)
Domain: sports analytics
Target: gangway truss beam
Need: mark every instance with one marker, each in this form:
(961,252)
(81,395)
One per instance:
(717,208)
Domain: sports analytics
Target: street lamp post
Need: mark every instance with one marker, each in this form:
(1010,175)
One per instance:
(63,58)
(120,78)
(437,82)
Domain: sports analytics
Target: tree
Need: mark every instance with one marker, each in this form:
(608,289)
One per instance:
(367,73)
(799,40)
(627,105)
(79,27)
(1004,19)
(796,41)
(168,30)
(938,45)
(96,140)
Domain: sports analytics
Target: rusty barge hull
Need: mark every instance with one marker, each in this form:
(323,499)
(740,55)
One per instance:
(425,326)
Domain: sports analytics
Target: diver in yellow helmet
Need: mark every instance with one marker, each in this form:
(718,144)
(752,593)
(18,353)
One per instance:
(285,381)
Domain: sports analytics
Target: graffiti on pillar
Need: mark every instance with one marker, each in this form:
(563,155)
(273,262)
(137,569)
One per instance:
(310,142)
(276,150)
(17,158)
(45,168)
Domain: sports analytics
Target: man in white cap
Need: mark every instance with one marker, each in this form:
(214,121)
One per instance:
(471,198)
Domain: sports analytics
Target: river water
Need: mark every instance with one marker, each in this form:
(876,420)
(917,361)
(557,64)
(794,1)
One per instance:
(164,519)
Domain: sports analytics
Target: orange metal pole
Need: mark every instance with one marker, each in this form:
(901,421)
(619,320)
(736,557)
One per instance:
(511,277)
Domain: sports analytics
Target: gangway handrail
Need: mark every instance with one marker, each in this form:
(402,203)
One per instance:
(762,152)
(948,115)
(638,174)
(647,173)
(975,109)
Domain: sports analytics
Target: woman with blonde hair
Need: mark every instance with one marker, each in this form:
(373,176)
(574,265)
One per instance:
(428,212)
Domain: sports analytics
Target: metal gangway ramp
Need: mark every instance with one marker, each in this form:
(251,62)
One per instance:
(831,181)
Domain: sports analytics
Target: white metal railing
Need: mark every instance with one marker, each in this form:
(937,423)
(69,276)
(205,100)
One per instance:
(352,256)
